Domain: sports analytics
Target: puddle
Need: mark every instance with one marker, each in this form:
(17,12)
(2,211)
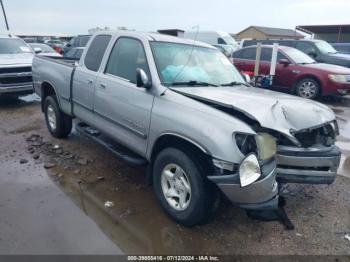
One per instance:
(133,223)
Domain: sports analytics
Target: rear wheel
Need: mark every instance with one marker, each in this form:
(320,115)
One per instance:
(308,88)
(183,192)
(58,123)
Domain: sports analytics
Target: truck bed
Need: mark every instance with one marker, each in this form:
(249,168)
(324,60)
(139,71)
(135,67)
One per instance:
(56,72)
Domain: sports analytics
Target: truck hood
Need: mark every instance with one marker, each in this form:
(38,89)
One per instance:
(335,69)
(16,59)
(273,110)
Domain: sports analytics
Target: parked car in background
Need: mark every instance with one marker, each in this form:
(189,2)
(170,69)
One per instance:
(78,41)
(15,66)
(319,50)
(29,40)
(44,50)
(184,110)
(342,47)
(296,72)
(213,38)
(74,53)
(57,45)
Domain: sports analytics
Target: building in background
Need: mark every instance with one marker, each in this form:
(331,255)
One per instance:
(260,32)
(329,33)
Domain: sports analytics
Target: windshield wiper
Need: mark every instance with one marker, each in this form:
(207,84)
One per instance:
(235,83)
(192,83)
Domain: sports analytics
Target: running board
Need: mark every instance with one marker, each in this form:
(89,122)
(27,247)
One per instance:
(117,149)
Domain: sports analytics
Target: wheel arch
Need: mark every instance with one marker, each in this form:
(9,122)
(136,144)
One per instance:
(47,89)
(306,76)
(182,143)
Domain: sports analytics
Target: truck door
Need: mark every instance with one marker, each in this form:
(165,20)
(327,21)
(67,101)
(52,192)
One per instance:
(85,76)
(121,108)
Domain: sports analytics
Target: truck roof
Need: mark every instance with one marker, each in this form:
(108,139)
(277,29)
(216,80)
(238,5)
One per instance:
(156,37)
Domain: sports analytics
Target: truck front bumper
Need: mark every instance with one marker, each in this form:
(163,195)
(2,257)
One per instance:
(316,165)
(23,88)
(262,194)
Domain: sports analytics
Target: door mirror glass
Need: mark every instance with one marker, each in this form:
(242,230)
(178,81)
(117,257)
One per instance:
(284,61)
(37,50)
(142,80)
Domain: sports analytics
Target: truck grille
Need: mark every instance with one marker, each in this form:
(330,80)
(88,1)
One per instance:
(324,135)
(15,75)
(15,70)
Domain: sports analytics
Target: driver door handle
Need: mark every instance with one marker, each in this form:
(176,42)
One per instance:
(103,86)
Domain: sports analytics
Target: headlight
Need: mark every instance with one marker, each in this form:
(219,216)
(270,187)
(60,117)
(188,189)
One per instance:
(249,170)
(266,145)
(338,78)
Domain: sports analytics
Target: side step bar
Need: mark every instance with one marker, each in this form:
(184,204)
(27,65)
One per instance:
(117,149)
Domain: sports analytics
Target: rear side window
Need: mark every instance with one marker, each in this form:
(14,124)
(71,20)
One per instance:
(127,55)
(266,54)
(249,53)
(237,54)
(96,51)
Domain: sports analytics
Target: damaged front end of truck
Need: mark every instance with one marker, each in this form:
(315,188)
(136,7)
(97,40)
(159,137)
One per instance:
(305,131)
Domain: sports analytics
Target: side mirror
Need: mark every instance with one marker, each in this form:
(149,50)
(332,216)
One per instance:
(142,80)
(312,54)
(37,50)
(68,45)
(247,78)
(284,61)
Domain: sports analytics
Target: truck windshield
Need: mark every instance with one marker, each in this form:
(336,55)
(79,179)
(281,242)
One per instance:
(298,57)
(183,63)
(13,46)
(325,48)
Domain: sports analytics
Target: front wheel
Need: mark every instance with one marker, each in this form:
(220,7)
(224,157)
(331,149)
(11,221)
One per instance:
(181,189)
(308,88)
(57,122)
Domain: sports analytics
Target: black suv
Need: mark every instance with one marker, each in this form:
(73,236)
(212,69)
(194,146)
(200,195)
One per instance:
(320,50)
(78,41)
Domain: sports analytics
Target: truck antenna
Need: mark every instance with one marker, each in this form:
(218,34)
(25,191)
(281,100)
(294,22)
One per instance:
(7,25)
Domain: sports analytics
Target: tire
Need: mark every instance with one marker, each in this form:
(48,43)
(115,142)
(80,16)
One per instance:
(58,123)
(308,88)
(199,204)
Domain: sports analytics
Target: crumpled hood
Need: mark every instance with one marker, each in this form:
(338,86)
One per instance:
(16,59)
(273,110)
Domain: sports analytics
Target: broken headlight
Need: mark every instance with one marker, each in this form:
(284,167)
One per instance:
(266,145)
(249,170)
(246,143)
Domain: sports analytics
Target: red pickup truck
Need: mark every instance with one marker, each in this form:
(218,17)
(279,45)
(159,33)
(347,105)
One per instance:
(296,72)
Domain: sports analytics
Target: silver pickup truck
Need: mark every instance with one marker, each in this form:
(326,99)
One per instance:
(183,109)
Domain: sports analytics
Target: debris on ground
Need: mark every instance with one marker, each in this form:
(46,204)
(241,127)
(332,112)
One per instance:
(36,156)
(99,178)
(347,236)
(109,204)
(299,235)
(48,165)
(83,161)
(23,161)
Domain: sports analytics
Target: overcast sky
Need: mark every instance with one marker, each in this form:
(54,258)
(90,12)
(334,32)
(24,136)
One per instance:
(77,16)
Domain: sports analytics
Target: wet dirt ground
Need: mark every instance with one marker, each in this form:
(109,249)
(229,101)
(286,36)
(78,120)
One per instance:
(90,175)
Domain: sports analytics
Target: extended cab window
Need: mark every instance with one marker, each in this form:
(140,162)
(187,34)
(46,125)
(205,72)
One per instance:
(96,51)
(127,55)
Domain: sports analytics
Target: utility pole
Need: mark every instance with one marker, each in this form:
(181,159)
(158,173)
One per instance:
(3,10)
